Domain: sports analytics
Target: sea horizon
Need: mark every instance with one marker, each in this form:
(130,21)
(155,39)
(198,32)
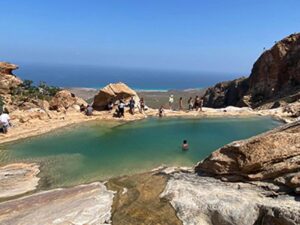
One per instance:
(96,77)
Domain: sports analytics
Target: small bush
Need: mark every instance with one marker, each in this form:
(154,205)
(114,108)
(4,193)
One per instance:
(27,90)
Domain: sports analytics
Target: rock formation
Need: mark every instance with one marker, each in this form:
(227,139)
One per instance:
(276,74)
(64,100)
(264,157)
(228,93)
(84,204)
(209,201)
(18,178)
(113,92)
(277,71)
(8,81)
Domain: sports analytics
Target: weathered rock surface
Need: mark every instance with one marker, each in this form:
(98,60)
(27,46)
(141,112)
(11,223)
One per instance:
(263,157)
(113,92)
(64,100)
(276,74)
(277,70)
(229,93)
(208,201)
(17,179)
(85,204)
(8,80)
(137,201)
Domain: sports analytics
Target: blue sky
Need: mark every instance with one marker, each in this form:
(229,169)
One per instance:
(212,35)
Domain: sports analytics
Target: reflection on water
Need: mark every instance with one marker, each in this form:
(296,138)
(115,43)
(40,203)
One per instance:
(96,151)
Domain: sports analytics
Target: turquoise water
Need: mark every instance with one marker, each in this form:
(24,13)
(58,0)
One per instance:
(93,151)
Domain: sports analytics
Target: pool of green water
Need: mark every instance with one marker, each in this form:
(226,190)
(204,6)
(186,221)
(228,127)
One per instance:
(97,151)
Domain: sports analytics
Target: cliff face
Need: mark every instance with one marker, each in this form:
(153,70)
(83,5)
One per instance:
(277,71)
(274,75)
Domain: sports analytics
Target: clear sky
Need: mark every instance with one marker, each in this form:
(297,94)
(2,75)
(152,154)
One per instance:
(204,35)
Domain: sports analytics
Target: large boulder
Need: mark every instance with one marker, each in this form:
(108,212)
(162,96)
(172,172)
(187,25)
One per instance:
(263,157)
(8,81)
(64,100)
(113,92)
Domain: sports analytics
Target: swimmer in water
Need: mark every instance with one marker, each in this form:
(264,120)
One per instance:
(185,145)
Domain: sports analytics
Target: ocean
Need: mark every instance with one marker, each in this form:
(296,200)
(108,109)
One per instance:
(97,77)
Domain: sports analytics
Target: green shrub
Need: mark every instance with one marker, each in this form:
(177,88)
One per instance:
(27,90)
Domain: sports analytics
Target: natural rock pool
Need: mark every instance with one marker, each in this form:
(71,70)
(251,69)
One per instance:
(99,150)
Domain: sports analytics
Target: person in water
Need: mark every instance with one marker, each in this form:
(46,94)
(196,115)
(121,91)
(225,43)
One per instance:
(131,105)
(185,145)
(161,111)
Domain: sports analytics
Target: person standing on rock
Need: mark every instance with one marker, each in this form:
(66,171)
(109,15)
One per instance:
(201,104)
(180,104)
(197,103)
(121,108)
(142,105)
(190,104)
(89,110)
(131,105)
(171,100)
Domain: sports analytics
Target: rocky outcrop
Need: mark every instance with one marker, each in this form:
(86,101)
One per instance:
(228,93)
(63,100)
(209,201)
(263,157)
(84,204)
(8,81)
(17,179)
(277,71)
(276,74)
(113,92)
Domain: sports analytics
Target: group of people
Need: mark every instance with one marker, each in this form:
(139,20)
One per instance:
(193,104)
(131,105)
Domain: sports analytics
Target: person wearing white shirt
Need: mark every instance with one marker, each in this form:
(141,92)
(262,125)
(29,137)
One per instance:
(171,100)
(4,121)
